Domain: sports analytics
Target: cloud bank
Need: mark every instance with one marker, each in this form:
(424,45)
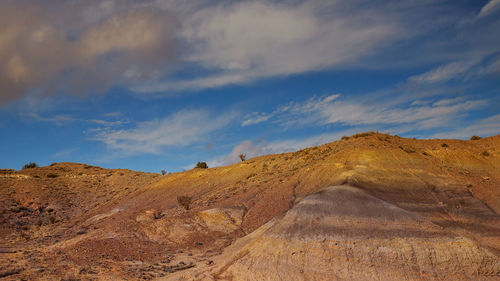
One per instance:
(164,46)
(43,50)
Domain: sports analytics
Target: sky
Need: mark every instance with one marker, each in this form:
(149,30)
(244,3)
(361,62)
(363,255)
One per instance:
(162,84)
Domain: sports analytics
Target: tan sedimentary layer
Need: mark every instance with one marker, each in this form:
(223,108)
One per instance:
(343,233)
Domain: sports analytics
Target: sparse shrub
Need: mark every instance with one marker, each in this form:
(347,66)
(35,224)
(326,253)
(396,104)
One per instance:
(444,145)
(362,135)
(163,172)
(52,219)
(30,165)
(344,138)
(52,176)
(475,138)
(184,201)
(157,215)
(485,153)
(407,149)
(242,157)
(201,165)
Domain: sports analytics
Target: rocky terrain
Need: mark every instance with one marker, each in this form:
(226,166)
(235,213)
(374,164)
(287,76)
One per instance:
(367,207)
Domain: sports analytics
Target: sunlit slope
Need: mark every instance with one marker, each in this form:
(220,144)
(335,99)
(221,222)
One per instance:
(343,233)
(109,220)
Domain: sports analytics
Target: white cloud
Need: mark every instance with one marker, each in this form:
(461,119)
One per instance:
(42,50)
(256,118)
(420,102)
(448,101)
(113,114)
(62,119)
(108,123)
(177,130)
(64,153)
(59,120)
(444,73)
(332,110)
(243,41)
(485,127)
(84,46)
(489,7)
(492,68)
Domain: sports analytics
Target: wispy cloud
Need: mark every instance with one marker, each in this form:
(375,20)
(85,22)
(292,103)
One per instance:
(332,110)
(63,119)
(177,130)
(113,114)
(108,123)
(56,119)
(285,38)
(256,118)
(63,153)
(292,110)
(81,47)
(444,73)
(484,127)
(458,71)
(491,6)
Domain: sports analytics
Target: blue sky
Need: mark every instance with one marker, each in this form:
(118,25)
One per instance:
(163,84)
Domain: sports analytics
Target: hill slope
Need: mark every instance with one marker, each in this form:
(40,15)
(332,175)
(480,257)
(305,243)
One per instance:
(343,233)
(122,224)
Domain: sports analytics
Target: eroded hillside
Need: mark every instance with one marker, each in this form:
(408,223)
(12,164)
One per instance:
(89,223)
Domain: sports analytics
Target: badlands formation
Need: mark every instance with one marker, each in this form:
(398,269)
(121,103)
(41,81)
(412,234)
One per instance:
(368,207)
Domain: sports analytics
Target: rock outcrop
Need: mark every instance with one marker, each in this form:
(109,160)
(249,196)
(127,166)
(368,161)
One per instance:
(343,233)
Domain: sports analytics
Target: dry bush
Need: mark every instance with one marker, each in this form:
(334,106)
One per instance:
(201,165)
(485,153)
(242,157)
(30,165)
(184,201)
(475,138)
(362,135)
(157,215)
(444,145)
(407,149)
(344,138)
(52,176)
(163,172)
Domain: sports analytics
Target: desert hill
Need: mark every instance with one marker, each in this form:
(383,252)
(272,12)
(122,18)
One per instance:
(371,206)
